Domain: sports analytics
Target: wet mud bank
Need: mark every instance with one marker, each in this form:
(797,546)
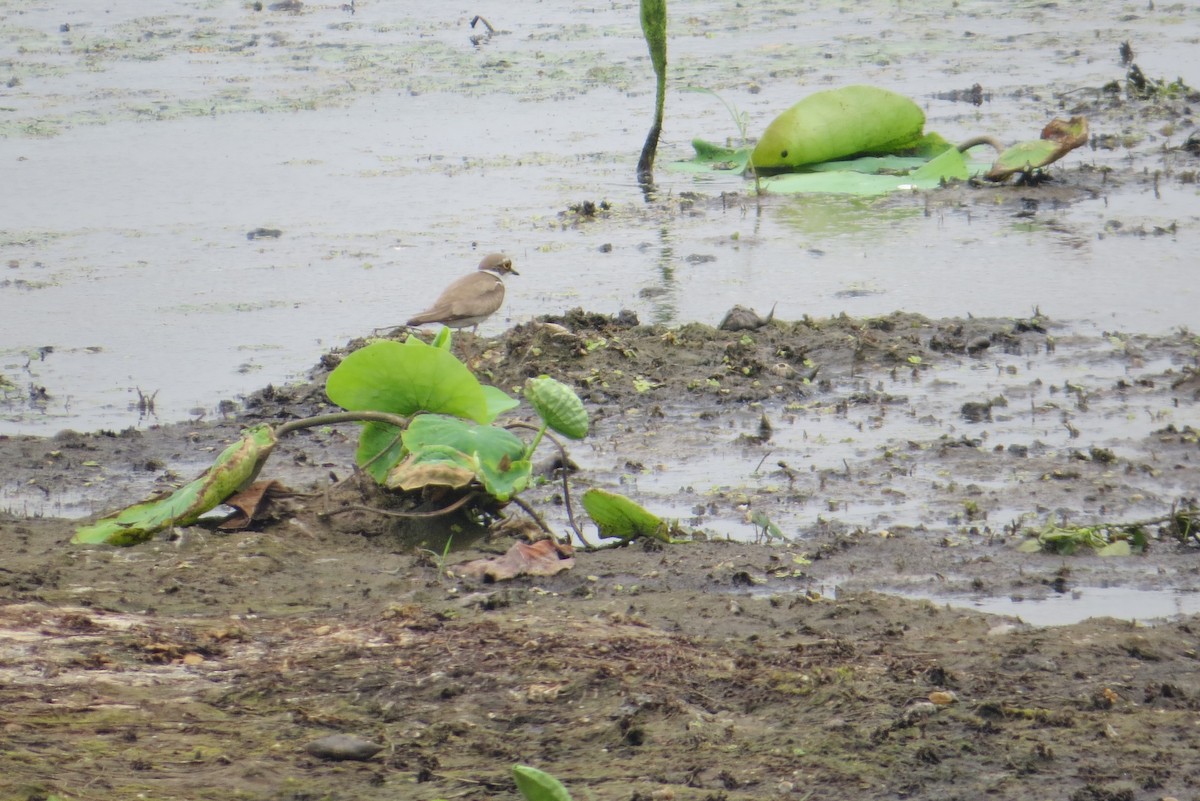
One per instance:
(900,454)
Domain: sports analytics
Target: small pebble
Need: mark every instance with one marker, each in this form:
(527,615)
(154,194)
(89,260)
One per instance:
(341,747)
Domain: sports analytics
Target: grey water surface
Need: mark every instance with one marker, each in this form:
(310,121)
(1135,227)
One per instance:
(392,146)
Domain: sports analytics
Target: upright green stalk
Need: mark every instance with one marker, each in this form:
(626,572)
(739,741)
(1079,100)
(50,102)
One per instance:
(654,27)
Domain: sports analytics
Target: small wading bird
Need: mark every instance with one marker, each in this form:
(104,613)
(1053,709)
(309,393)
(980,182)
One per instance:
(471,299)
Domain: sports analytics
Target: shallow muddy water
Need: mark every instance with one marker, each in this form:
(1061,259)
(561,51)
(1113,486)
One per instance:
(390,151)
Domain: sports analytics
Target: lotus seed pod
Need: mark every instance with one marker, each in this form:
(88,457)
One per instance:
(558,405)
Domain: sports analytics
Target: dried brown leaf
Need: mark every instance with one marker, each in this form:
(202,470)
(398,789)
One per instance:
(252,503)
(542,558)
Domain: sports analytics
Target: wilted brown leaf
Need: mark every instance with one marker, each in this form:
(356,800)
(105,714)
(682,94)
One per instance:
(542,558)
(1070,133)
(252,503)
(412,474)
(1059,138)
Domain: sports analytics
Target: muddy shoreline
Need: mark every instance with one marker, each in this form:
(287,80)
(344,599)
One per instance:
(202,664)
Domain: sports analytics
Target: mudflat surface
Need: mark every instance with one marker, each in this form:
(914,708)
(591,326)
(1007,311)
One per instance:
(201,664)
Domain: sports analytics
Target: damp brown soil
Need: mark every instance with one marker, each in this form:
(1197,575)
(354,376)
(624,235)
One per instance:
(201,664)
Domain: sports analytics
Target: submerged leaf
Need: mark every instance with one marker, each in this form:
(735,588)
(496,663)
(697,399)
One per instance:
(1118,548)
(235,468)
(711,156)
(837,123)
(845,177)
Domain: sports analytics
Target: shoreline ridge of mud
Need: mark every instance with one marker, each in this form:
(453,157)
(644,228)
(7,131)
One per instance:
(201,665)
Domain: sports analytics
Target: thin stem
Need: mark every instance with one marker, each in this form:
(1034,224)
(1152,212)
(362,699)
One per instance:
(334,418)
(562,454)
(975,141)
(529,510)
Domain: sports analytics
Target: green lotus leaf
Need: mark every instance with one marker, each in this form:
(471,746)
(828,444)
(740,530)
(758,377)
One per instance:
(1059,138)
(537,785)
(380,448)
(502,481)
(489,442)
(498,401)
(494,454)
(1023,157)
(406,378)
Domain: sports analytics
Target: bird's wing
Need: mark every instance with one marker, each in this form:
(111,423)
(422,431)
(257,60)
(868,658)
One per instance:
(475,295)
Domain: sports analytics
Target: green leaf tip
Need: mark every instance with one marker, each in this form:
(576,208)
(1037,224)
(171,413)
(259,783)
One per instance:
(618,516)
(537,785)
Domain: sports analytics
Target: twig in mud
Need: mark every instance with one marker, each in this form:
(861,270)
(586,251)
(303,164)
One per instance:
(529,510)
(479,39)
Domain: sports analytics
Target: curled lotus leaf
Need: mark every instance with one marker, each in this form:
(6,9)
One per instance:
(1059,138)
(618,516)
(434,466)
(235,469)
(558,405)
(837,123)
